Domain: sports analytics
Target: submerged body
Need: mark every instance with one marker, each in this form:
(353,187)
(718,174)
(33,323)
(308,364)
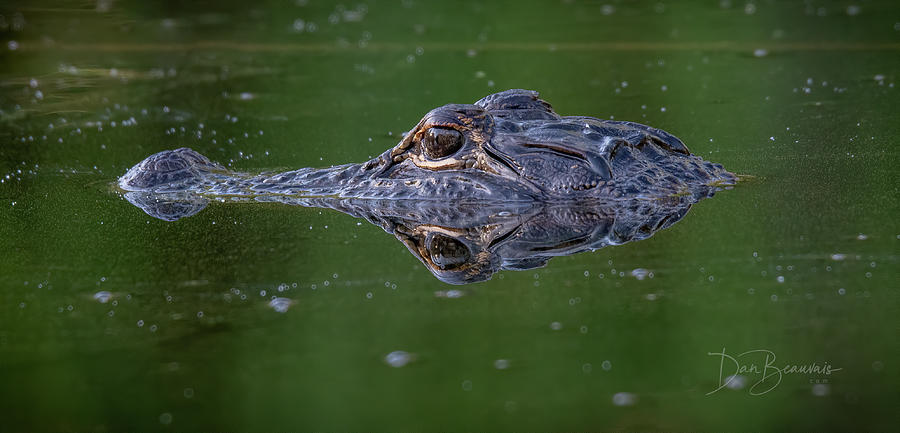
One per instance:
(507,147)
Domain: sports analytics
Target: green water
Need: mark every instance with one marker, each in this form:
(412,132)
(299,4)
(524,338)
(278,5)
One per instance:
(801,260)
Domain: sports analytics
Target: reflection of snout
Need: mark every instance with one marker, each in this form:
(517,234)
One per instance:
(167,207)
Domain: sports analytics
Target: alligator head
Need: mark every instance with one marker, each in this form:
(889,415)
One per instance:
(510,147)
(505,183)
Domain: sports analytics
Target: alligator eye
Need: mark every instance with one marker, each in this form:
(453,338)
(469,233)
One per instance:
(447,253)
(441,142)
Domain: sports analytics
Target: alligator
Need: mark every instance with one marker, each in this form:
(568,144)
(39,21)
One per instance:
(508,147)
(505,183)
(463,243)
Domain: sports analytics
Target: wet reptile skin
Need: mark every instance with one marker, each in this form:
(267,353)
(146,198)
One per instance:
(507,147)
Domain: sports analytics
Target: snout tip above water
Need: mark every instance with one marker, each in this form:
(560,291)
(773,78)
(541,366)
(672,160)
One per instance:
(168,171)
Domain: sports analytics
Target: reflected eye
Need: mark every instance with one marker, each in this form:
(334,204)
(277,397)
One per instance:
(447,253)
(441,142)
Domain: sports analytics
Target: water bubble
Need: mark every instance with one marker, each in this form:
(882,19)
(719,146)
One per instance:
(587,368)
(189,393)
(624,399)
(842,291)
(399,358)
(449,294)
(639,273)
(556,326)
(606,365)
(760,52)
(281,305)
(467,385)
(103,296)
(501,364)
(736,382)
(821,389)
(165,418)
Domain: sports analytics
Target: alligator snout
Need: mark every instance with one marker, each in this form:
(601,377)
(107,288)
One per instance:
(176,170)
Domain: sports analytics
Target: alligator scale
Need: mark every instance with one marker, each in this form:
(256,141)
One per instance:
(482,177)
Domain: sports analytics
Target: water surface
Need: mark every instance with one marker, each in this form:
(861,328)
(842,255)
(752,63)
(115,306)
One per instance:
(113,320)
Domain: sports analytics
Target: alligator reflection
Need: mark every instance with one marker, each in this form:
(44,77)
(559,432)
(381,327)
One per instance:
(537,184)
(468,243)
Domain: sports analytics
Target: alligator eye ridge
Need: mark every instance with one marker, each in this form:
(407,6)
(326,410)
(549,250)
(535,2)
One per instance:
(441,142)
